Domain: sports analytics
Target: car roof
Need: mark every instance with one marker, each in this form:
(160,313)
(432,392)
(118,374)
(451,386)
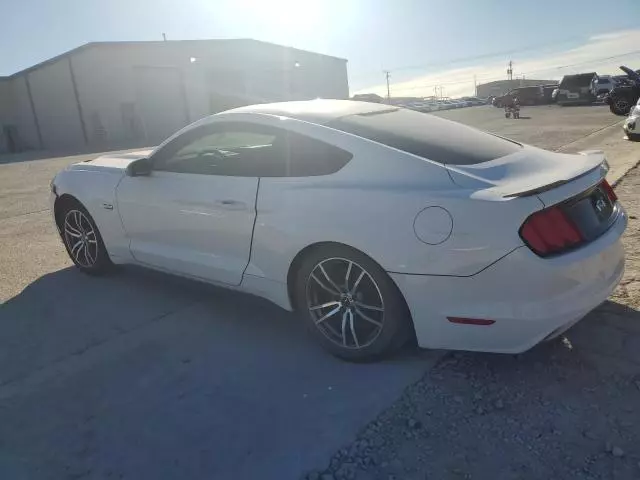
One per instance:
(319,111)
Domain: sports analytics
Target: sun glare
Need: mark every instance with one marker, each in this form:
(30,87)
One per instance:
(292,15)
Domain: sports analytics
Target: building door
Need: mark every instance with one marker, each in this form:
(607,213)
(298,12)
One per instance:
(160,96)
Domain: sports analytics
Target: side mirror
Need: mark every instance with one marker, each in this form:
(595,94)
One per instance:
(139,168)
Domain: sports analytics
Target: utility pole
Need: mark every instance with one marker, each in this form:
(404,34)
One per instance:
(387,74)
(510,70)
(475,87)
(164,36)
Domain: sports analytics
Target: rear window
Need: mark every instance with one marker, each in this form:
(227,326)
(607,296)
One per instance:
(427,136)
(573,81)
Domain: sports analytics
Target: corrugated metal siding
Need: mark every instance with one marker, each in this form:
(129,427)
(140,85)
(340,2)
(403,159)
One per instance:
(120,106)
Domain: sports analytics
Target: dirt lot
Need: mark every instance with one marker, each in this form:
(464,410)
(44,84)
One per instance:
(566,409)
(143,376)
(549,126)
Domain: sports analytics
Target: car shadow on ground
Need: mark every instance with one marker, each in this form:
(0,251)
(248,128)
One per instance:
(177,368)
(90,310)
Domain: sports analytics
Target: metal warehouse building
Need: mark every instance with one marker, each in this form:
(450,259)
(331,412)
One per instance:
(122,94)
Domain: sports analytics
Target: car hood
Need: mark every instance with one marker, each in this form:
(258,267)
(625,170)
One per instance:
(633,75)
(113,162)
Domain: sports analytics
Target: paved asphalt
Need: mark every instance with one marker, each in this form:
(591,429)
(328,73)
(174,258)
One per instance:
(144,376)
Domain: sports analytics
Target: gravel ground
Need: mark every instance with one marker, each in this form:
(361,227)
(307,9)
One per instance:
(566,409)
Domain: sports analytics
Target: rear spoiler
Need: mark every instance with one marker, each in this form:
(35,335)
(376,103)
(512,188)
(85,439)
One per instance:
(603,165)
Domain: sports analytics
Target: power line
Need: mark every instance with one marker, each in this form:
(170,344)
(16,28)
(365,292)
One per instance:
(529,73)
(479,57)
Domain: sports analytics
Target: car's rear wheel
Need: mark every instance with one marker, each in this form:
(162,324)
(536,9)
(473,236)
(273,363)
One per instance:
(350,304)
(82,239)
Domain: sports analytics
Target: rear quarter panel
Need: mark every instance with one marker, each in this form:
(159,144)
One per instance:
(371,205)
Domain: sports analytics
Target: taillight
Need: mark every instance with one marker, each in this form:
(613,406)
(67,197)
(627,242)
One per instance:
(550,231)
(608,189)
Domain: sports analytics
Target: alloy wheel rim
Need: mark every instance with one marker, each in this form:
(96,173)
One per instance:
(345,303)
(622,105)
(81,239)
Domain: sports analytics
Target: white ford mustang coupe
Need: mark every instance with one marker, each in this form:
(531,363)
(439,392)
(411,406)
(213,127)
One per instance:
(375,223)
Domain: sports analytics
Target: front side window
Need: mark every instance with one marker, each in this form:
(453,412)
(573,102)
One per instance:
(248,150)
(231,150)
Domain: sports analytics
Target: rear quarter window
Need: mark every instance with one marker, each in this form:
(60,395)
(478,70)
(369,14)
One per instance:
(308,157)
(427,136)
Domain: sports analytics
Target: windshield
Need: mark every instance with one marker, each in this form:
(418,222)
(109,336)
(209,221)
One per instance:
(427,136)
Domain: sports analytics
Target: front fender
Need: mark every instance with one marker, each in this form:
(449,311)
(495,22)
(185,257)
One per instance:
(95,190)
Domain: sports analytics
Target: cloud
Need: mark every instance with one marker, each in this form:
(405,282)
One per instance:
(600,53)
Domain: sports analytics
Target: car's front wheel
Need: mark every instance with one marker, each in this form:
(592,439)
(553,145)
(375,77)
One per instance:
(82,238)
(350,304)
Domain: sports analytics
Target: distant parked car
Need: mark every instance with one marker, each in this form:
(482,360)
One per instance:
(526,95)
(422,106)
(576,89)
(446,104)
(459,103)
(477,101)
(602,84)
(368,97)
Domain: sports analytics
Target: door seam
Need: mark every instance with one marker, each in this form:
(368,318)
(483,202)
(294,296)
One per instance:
(253,231)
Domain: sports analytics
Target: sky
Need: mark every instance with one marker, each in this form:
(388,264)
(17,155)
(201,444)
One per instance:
(423,43)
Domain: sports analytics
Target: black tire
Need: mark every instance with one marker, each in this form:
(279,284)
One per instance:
(634,137)
(363,340)
(620,106)
(82,239)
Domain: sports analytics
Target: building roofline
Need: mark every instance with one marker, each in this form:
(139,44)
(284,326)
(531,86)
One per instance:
(49,61)
(145,42)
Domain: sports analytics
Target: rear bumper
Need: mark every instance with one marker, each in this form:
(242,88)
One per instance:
(529,298)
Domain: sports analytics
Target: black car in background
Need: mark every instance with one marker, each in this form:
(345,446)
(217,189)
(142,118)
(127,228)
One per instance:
(547,92)
(576,89)
(526,96)
(625,95)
